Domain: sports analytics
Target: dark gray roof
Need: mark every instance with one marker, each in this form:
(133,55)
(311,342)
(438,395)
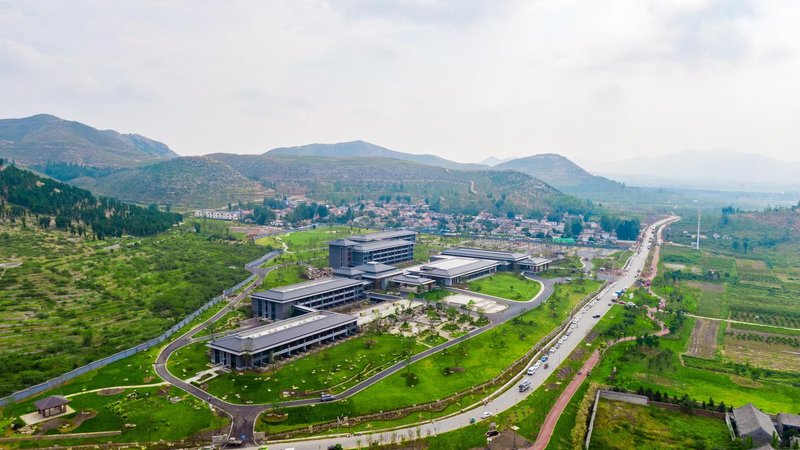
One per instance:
(305,289)
(53,401)
(479,253)
(452,267)
(792,420)
(412,279)
(750,421)
(535,261)
(342,242)
(383,235)
(347,272)
(269,336)
(375,269)
(381,245)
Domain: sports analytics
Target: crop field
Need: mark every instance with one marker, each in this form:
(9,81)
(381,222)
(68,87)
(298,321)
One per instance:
(71,301)
(703,342)
(620,425)
(661,369)
(710,302)
(768,350)
(507,285)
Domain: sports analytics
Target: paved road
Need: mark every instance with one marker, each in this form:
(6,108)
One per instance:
(507,398)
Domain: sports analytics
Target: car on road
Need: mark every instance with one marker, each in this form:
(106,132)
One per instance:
(531,370)
(486,414)
(525,385)
(552,350)
(327,398)
(596,316)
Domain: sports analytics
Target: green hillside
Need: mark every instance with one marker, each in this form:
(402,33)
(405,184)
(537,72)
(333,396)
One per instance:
(187,181)
(41,138)
(366,150)
(336,179)
(561,173)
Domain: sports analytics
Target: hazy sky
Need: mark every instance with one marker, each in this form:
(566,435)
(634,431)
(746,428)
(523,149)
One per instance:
(464,79)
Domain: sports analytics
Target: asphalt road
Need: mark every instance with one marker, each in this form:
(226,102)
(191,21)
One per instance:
(508,397)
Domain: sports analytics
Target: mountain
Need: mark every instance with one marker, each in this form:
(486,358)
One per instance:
(365,149)
(493,161)
(336,179)
(561,173)
(706,169)
(195,181)
(38,139)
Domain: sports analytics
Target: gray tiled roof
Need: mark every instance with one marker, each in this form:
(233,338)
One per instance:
(479,253)
(412,279)
(383,235)
(792,420)
(750,421)
(305,289)
(347,272)
(51,402)
(381,245)
(452,267)
(278,333)
(376,269)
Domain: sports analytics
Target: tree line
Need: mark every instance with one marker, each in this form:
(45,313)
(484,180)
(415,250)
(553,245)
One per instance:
(78,211)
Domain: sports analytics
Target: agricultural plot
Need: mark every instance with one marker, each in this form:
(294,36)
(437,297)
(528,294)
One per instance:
(72,301)
(709,298)
(620,425)
(703,342)
(767,350)
(756,273)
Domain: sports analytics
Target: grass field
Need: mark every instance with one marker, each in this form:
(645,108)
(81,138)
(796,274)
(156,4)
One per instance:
(506,285)
(621,425)
(334,369)
(662,370)
(150,412)
(478,360)
(73,301)
(775,351)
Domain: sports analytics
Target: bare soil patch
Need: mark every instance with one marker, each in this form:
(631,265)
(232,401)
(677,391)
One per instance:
(111,391)
(564,372)
(703,343)
(710,287)
(577,354)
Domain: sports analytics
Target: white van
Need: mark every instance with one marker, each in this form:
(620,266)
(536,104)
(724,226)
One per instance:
(525,385)
(531,370)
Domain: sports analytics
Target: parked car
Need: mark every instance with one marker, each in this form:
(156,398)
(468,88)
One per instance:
(486,414)
(596,316)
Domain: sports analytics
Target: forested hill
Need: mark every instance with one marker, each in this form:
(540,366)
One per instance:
(27,197)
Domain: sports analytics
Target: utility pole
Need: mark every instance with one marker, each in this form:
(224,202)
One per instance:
(697,246)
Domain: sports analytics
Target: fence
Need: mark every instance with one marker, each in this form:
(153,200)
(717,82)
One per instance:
(49,384)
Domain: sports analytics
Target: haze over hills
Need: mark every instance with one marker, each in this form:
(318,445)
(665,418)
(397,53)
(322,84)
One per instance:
(191,181)
(337,179)
(366,149)
(561,173)
(705,169)
(41,138)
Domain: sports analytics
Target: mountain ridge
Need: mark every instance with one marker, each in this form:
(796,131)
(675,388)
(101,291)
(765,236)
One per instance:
(37,139)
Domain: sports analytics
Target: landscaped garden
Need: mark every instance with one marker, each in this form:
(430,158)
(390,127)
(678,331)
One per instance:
(507,285)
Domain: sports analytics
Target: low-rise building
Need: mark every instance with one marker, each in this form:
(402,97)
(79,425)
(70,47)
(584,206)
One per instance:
(388,247)
(451,270)
(278,303)
(259,346)
(507,260)
(753,423)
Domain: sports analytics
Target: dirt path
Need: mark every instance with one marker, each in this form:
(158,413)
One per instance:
(137,386)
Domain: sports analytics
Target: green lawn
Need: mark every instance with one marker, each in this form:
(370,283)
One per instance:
(435,295)
(284,276)
(480,359)
(149,409)
(348,363)
(620,425)
(189,360)
(506,285)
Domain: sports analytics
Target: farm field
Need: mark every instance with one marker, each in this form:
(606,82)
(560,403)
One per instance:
(620,425)
(73,301)
(661,369)
(703,342)
(775,351)
(507,285)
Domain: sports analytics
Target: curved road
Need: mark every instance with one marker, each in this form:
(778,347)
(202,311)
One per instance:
(244,416)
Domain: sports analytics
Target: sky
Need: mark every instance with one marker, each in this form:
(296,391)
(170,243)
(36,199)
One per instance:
(463,79)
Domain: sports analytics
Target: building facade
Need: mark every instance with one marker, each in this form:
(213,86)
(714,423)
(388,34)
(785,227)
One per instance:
(262,345)
(278,303)
(451,270)
(388,247)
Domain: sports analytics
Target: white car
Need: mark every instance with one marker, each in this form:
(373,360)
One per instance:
(486,414)
(552,350)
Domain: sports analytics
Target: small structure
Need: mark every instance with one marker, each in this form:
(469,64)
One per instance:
(412,283)
(753,423)
(52,406)
(378,273)
(788,423)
